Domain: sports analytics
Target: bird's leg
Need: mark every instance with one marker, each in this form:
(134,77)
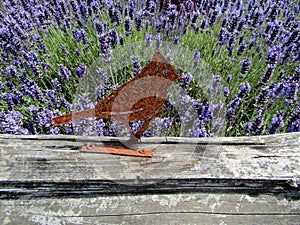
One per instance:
(136,137)
(133,140)
(146,124)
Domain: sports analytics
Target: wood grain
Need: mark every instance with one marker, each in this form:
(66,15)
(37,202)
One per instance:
(46,180)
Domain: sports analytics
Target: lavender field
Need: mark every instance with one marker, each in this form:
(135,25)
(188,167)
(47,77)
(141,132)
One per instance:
(252,48)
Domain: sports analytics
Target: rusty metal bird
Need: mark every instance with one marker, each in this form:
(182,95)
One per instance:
(141,98)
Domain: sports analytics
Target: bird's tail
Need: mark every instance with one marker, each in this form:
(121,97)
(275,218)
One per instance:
(71,117)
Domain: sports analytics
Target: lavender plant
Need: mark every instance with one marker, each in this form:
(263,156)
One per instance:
(252,48)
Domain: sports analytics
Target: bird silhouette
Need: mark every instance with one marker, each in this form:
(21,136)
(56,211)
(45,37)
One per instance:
(141,98)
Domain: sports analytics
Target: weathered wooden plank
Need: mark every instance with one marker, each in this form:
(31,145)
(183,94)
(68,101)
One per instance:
(57,158)
(194,208)
(52,166)
(253,180)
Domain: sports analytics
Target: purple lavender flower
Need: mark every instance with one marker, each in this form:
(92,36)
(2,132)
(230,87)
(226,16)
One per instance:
(257,127)
(296,76)
(77,34)
(217,86)
(80,71)
(294,121)
(196,58)
(115,15)
(100,28)
(41,44)
(186,80)
(15,94)
(242,24)
(244,89)
(148,40)
(138,22)
(52,99)
(100,91)
(291,93)
(12,71)
(62,7)
(292,37)
(103,77)
(54,130)
(206,113)
(212,18)
(252,43)
(222,36)
(198,129)
(95,6)
(84,37)
(275,28)
(11,123)
(274,55)
(277,122)
(189,5)
(136,65)
(263,97)
(9,100)
(226,92)
(46,118)
(229,77)
(158,128)
(105,42)
(128,26)
(235,103)
(64,50)
(268,74)
(114,38)
(30,88)
(233,21)
(45,66)
(158,25)
(158,42)
(34,121)
(77,52)
(83,10)
(248,127)
(149,5)
(294,126)
(56,84)
(121,40)
(31,58)
(165,5)
(176,39)
(100,128)
(241,49)
(245,65)
(230,46)
(64,73)
(171,18)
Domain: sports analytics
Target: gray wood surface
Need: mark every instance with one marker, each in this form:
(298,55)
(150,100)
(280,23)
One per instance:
(186,208)
(248,180)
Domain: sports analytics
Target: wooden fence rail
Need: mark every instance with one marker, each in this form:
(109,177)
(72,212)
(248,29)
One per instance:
(248,180)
